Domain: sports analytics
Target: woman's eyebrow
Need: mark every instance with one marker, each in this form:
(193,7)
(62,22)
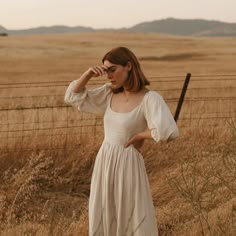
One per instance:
(108,68)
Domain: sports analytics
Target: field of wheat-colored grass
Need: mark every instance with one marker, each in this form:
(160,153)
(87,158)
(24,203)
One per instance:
(48,149)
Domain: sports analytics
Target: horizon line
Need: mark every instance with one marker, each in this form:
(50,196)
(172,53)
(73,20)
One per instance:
(122,27)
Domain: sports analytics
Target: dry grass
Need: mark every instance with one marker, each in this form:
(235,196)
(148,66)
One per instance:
(44,195)
(192,179)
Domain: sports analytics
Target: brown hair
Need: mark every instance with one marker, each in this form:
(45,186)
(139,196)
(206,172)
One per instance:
(136,78)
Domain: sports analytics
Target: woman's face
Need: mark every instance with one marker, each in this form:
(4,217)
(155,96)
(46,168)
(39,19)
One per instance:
(117,74)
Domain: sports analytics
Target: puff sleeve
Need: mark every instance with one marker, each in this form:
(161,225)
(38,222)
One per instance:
(89,100)
(159,118)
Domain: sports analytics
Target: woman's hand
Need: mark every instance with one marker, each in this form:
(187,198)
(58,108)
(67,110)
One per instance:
(137,141)
(96,71)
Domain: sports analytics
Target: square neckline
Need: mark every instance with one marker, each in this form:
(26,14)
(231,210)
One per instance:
(128,112)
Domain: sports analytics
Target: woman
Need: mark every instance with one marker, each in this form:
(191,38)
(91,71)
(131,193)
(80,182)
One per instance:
(120,202)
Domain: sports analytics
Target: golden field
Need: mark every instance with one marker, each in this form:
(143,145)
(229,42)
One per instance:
(192,179)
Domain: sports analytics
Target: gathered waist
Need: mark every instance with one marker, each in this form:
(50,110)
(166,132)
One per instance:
(121,146)
(115,140)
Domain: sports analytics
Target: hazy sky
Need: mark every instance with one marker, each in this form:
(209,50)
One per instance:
(18,14)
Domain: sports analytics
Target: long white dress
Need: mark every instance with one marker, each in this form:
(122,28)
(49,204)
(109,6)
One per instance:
(120,202)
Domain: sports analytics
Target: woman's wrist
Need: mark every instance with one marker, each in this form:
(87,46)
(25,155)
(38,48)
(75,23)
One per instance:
(88,74)
(145,135)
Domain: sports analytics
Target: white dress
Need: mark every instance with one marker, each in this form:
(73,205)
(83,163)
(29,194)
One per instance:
(120,202)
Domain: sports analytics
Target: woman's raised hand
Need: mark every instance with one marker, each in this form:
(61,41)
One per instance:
(94,71)
(97,70)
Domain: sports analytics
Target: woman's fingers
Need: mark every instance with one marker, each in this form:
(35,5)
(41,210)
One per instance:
(136,141)
(105,68)
(94,72)
(98,71)
(131,141)
(128,143)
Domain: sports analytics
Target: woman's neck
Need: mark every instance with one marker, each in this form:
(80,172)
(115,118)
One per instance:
(127,93)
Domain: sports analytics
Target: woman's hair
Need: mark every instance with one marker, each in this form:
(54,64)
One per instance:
(136,79)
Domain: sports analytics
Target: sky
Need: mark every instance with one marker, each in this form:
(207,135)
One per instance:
(22,14)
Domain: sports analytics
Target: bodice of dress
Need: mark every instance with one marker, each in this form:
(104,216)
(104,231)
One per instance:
(120,127)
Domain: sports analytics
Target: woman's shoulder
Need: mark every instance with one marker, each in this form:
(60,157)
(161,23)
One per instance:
(153,95)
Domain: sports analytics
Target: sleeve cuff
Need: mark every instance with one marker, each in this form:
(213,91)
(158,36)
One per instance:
(155,134)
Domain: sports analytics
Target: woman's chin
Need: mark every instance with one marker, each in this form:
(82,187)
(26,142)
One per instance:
(115,86)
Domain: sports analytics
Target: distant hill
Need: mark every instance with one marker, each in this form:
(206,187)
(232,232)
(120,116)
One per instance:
(57,29)
(187,27)
(2,29)
(195,27)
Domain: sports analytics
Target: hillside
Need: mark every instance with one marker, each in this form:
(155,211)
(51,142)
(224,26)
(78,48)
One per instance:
(187,27)
(3,31)
(57,29)
(194,27)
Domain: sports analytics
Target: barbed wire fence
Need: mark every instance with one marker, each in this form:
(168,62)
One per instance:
(45,122)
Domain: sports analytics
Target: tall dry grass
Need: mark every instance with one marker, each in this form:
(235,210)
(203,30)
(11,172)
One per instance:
(44,194)
(192,184)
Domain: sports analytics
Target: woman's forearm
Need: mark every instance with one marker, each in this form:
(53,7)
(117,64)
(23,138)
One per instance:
(81,82)
(94,71)
(146,134)
(138,139)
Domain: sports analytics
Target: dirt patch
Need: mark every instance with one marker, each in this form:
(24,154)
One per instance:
(172,57)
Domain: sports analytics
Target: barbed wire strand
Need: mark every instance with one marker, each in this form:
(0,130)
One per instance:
(159,90)
(152,79)
(99,120)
